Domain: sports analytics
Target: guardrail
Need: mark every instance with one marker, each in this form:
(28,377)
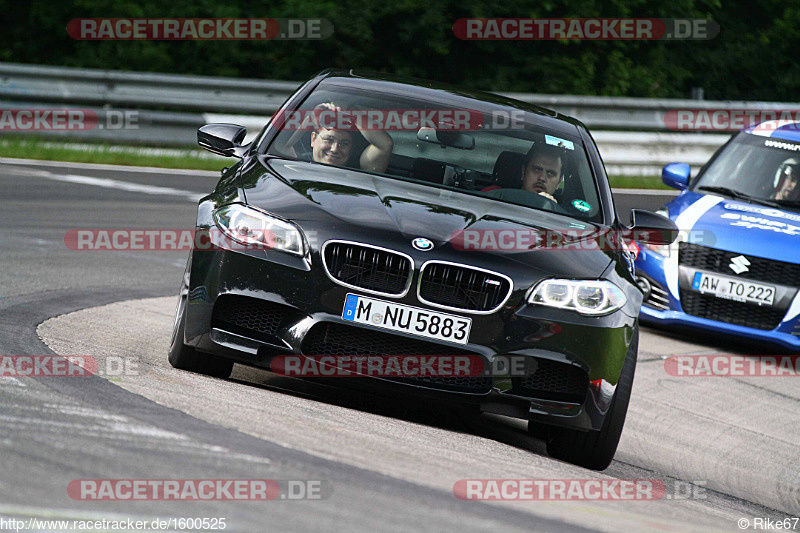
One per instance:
(630,132)
(93,87)
(631,153)
(34,83)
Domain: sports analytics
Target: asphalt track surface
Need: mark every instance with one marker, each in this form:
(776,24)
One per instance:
(731,444)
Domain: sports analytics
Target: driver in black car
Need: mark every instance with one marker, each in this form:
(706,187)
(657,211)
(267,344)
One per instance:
(543,170)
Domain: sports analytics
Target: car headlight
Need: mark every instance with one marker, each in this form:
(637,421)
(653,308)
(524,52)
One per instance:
(252,227)
(587,297)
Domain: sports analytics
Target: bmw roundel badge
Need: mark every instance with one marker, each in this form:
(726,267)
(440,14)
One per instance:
(422,244)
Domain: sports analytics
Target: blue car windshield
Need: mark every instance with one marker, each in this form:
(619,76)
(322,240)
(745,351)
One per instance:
(762,168)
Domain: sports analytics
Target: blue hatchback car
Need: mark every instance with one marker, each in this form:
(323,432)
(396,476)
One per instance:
(735,267)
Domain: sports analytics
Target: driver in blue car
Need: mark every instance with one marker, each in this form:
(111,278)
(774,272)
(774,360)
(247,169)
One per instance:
(788,178)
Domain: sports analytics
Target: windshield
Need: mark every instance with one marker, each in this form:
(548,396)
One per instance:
(763,169)
(489,150)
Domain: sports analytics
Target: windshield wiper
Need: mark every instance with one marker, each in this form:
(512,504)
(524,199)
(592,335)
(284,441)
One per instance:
(787,203)
(739,195)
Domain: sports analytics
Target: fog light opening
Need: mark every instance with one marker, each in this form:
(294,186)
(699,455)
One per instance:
(645,286)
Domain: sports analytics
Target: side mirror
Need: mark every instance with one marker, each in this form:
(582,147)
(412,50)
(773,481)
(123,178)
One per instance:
(650,228)
(222,139)
(676,175)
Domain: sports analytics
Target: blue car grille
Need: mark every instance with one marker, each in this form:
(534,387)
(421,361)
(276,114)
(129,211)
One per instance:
(760,269)
(742,314)
(731,312)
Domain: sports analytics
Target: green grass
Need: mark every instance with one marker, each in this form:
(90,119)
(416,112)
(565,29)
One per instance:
(184,158)
(637,182)
(110,154)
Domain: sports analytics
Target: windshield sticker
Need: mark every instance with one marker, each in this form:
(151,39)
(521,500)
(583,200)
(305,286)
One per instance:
(582,205)
(785,146)
(748,221)
(763,211)
(557,141)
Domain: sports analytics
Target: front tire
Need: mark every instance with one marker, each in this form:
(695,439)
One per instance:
(186,357)
(596,449)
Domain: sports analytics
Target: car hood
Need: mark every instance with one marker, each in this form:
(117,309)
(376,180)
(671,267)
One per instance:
(350,202)
(737,226)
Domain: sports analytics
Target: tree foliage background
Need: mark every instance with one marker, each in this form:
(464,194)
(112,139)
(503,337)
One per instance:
(756,56)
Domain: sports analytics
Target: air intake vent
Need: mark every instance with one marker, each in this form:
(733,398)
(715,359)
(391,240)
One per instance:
(340,339)
(553,380)
(730,311)
(251,317)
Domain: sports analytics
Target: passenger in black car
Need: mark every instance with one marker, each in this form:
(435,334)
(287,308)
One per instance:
(333,147)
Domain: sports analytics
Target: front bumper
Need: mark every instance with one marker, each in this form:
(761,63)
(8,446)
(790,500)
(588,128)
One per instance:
(668,311)
(781,336)
(595,346)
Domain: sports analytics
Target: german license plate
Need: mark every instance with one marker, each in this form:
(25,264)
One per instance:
(399,317)
(734,289)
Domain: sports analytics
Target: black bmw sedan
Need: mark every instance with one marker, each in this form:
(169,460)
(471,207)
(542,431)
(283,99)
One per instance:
(385,217)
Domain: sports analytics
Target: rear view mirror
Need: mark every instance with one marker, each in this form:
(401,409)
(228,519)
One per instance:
(222,139)
(454,139)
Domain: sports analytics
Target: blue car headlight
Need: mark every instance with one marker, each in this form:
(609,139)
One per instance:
(660,249)
(587,297)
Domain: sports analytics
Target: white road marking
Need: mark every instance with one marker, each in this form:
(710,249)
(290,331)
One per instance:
(125,186)
(112,184)
(10,380)
(115,427)
(123,168)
